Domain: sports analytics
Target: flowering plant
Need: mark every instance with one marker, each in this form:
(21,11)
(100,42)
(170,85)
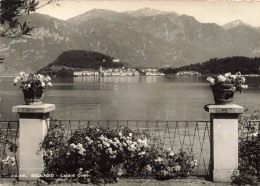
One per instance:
(237,80)
(169,164)
(101,155)
(32,81)
(5,160)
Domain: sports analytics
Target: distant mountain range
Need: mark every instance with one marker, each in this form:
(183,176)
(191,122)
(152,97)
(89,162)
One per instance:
(145,37)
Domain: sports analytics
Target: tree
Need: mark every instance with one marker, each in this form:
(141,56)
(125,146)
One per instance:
(10,14)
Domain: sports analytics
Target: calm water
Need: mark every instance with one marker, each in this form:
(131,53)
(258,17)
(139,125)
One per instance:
(128,98)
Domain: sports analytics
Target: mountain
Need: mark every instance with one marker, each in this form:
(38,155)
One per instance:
(144,38)
(108,15)
(147,12)
(47,41)
(234,24)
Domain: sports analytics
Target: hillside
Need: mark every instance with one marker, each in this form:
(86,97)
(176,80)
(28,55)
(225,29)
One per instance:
(219,66)
(82,59)
(143,38)
(65,64)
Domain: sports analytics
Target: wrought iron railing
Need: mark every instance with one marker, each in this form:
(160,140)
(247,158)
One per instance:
(193,136)
(9,135)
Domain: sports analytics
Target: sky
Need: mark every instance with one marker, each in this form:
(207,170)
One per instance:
(205,11)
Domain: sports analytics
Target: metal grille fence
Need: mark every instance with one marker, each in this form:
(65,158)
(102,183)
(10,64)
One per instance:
(193,136)
(9,135)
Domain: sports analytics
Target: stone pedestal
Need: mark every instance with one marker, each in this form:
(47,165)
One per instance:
(224,140)
(34,121)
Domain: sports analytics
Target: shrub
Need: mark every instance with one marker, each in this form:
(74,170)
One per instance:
(249,148)
(168,165)
(99,155)
(6,160)
(243,179)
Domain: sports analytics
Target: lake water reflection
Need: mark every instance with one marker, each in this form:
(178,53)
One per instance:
(128,98)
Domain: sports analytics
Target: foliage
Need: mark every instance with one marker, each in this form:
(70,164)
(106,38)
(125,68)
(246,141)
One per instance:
(64,73)
(168,164)
(243,179)
(32,82)
(85,59)
(4,159)
(78,60)
(215,66)
(237,80)
(11,10)
(249,148)
(100,155)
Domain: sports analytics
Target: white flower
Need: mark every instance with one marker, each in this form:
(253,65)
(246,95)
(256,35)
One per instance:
(110,150)
(49,84)
(115,144)
(244,86)
(90,142)
(171,154)
(177,168)
(15,80)
(130,134)
(211,80)
(81,152)
(142,153)
(48,78)
(148,168)
(221,78)
(243,79)
(120,134)
(101,137)
(106,144)
(119,172)
(233,76)
(43,84)
(29,85)
(22,73)
(227,74)
(143,142)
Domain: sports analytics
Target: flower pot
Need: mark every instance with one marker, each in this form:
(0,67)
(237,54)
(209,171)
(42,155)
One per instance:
(223,95)
(33,97)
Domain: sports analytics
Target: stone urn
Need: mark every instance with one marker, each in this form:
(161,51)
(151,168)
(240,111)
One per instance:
(223,94)
(33,97)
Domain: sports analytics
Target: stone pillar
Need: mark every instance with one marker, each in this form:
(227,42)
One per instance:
(34,120)
(224,140)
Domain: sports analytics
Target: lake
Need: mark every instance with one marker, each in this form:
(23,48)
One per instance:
(128,98)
